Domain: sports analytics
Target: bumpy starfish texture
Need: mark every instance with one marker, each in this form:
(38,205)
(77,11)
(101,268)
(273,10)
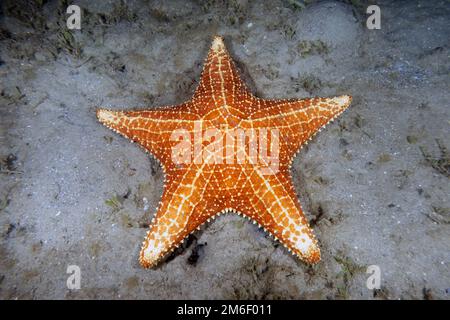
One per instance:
(196,191)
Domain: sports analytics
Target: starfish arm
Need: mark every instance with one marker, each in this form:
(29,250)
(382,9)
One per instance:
(220,83)
(184,206)
(298,120)
(270,201)
(149,127)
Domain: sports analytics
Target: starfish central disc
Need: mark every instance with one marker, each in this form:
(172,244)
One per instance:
(226,150)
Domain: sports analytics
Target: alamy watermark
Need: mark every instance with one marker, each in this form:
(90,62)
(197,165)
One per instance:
(74,280)
(74,20)
(255,146)
(374,20)
(374,280)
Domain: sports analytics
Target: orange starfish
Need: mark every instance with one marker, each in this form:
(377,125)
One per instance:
(203,179)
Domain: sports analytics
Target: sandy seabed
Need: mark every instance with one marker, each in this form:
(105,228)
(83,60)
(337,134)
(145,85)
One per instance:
(374,183)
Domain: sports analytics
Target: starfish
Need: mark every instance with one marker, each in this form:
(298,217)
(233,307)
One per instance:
(194,143)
